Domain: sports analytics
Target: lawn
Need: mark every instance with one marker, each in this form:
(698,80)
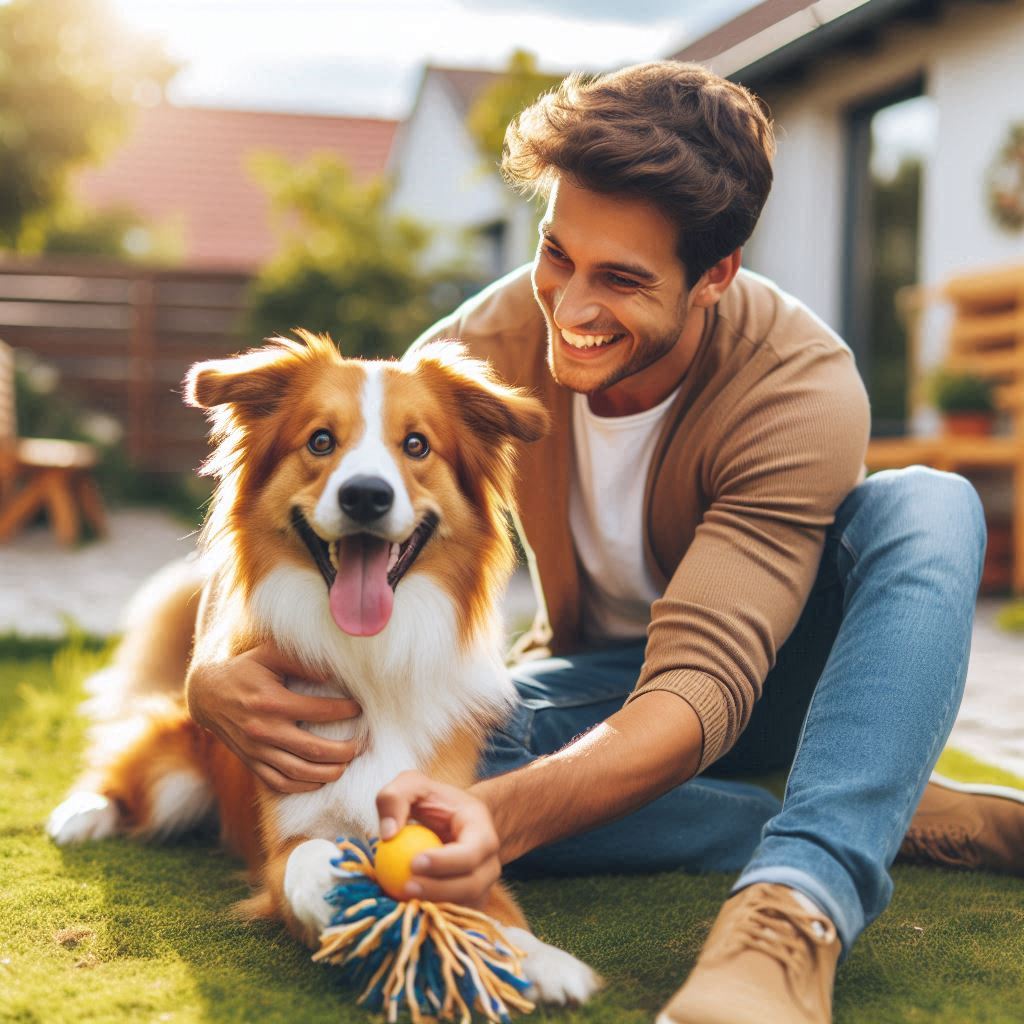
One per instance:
(115,932)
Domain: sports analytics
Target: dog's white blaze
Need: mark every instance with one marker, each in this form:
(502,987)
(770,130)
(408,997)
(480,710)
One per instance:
(371,456)
(180,801)
(414,681)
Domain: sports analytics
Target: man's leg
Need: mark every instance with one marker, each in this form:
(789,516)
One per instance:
(911,545)
(705,825)
(909,556)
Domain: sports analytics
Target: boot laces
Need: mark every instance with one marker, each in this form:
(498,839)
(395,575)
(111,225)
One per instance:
(790,937)
(949,845)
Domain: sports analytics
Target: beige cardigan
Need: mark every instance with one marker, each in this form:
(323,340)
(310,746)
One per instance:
(765,438)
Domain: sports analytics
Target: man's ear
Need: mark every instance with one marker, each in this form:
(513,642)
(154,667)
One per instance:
(493,411)
(713,282)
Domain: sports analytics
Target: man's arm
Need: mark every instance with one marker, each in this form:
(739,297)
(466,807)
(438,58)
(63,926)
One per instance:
(639,753)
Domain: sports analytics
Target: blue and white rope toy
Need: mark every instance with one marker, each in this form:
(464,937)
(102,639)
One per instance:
(437,959)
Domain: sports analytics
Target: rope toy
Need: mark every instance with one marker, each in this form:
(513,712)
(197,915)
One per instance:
(438,959)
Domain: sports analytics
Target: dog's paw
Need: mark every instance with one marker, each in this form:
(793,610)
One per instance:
(554,975)
(81,817)
(308,877)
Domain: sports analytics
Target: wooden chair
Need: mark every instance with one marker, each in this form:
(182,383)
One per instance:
(43,474)
(986,338)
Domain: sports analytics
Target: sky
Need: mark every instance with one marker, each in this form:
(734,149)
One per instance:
(363,57)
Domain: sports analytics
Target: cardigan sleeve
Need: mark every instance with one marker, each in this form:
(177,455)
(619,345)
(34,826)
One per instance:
(783,459)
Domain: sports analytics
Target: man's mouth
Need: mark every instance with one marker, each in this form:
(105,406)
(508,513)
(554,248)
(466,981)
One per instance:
(362,570)
(589,342)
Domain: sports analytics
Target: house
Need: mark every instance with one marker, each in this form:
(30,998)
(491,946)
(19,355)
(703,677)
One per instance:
(185,170)
(890,116)
(440,178)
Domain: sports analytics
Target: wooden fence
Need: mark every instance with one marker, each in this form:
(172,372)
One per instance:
(122,338)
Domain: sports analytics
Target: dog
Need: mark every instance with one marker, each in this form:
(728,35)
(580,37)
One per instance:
(360,521)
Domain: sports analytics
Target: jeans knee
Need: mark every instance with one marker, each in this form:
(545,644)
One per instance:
(936,513)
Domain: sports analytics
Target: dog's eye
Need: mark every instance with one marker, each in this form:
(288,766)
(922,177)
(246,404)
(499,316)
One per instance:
(321,442)
(416,446)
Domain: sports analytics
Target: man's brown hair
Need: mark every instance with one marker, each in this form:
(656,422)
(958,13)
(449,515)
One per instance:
(696,145)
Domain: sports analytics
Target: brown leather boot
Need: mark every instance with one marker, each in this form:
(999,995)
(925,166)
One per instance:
(768,960)
(965,825)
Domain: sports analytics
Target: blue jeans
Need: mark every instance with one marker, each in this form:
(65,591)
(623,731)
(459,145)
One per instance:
(858,706)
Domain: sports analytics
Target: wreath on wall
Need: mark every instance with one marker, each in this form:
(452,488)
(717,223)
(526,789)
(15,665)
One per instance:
(1006,181)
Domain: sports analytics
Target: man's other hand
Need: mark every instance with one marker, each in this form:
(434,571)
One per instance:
(465,868)
(245,703)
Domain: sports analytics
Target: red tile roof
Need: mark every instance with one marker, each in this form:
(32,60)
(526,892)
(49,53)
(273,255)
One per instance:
(188,165)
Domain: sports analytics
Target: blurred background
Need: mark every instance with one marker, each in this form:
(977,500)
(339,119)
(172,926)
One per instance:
(180,179)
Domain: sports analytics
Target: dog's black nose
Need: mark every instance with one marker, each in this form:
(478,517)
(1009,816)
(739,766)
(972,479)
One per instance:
(365,498)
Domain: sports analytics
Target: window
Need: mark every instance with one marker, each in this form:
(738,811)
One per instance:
(889,141)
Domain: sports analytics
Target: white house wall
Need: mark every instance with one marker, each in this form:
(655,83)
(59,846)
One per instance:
(442,181)
(972,59)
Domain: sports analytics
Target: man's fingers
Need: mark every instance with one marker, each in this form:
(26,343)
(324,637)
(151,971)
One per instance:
(320,709)
(469,889)
(281,783)
(297,770)
(474,846)
(272,657)
(308,747)
(395,800)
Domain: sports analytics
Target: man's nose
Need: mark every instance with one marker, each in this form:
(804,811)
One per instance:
(574,307)
(365,498)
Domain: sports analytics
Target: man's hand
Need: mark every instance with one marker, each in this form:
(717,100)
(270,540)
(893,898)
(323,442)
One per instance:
(244,702)
(465,868)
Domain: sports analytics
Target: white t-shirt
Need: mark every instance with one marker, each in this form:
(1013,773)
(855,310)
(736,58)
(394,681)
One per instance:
(612,455)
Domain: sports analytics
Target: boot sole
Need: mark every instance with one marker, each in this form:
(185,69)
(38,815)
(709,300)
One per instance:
(979,788)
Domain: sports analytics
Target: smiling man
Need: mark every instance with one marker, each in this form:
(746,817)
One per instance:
(720,589)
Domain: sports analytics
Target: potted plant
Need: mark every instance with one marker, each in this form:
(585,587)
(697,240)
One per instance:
(965,401)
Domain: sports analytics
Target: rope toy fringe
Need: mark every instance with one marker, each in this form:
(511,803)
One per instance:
(437,959)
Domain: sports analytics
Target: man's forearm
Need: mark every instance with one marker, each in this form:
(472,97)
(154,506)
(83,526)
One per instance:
(651,745)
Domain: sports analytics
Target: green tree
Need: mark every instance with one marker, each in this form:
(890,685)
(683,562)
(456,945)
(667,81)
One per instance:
(69,78)
(347,266)
(520,84)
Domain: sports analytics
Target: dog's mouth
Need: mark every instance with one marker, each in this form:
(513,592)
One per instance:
(362,570)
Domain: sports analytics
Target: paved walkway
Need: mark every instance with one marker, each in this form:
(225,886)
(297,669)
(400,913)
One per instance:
(43,586)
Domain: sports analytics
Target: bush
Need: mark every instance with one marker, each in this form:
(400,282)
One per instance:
(347,267)
(961,392)
(1011,617)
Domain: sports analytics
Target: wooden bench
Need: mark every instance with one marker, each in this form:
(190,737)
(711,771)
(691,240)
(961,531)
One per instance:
(986,338)
(39,474)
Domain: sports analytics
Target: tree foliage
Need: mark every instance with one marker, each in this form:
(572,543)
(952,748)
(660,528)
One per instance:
(69,77)
(347,266)
(520,84)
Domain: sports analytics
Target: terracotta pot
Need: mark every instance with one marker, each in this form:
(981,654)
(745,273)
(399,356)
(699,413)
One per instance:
(968,424)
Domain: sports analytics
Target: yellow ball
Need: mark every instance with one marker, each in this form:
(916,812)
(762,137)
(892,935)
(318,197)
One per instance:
(395,857)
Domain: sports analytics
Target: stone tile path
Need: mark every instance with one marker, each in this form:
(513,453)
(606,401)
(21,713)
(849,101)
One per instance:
(42,586)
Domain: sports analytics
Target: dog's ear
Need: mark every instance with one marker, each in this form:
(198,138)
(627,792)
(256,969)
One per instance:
(254,381)
(495,412)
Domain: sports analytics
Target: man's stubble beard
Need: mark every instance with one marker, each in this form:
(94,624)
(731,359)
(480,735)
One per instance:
(647,354)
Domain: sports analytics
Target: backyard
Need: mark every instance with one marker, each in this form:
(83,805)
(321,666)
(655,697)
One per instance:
(118,932)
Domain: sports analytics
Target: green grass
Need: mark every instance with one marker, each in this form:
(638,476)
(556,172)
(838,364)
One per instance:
(115,932)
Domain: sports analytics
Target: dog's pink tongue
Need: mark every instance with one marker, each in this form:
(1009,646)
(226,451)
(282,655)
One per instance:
(361,599)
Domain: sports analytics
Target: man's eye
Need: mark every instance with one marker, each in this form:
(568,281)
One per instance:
(555,254)
(622,282)
(416,446)
(321,442)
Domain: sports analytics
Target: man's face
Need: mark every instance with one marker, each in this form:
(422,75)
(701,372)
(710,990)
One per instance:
(613,292)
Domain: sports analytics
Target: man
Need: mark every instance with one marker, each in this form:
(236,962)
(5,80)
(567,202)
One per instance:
(721,591)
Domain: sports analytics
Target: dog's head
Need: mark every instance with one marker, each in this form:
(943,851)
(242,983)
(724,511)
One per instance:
(368,469)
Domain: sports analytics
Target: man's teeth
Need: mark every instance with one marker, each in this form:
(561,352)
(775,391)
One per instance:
(587,340)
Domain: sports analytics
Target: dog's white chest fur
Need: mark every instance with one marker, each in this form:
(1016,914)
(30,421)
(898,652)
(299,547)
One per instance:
(414,682)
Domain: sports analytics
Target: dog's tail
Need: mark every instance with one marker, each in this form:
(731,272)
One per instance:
(153,656)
